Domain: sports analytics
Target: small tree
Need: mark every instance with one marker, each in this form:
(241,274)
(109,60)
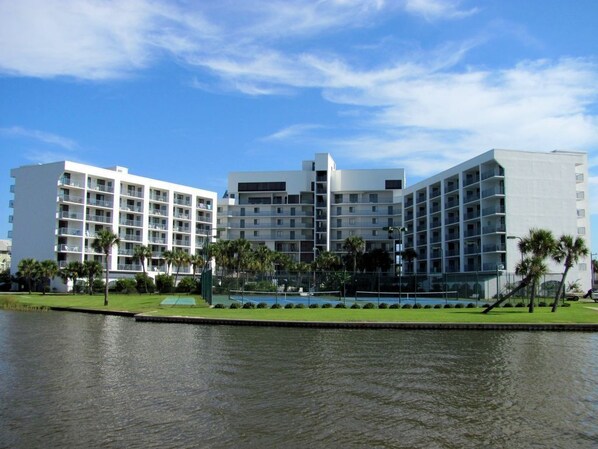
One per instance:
(142,254)
(29,269)
(103,243)
(91,270)
(569,251)
(48,269)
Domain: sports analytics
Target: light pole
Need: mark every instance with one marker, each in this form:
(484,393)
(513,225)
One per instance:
(499,268)
(398,265)
(313,289)
(439,248)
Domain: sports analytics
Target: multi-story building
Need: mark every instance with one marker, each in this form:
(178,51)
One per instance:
(58,208)
(313,209)
(5,250)
(467,219)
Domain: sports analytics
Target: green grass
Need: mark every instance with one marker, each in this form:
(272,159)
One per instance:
(577,313)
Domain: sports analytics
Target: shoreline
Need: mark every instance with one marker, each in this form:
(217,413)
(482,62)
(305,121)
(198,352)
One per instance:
(398,325)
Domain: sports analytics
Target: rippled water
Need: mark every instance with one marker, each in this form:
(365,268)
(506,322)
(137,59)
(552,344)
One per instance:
(75,380)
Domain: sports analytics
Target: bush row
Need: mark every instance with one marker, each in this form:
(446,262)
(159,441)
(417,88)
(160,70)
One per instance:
(340,305)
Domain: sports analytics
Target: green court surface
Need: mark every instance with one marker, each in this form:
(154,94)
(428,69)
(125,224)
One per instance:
(178,301)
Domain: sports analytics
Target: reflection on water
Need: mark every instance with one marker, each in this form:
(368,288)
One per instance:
(74,380)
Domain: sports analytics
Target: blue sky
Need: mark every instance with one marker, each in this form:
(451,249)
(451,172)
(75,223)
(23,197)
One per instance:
(187,91)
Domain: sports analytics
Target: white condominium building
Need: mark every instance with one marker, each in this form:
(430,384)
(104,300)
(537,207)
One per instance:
(313,209)
(467,219)
(470,218)
(59,208)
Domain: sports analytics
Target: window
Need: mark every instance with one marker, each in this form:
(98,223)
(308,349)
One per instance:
(353,198)
(256,221)
(374,221)
(256,233)
(351,209)
(581,231)
(583,267)
(242,234)
(581,213)
(373,197)
(279,210)
(256,210)
(338,198)
(393,184)
(374,233)
(339,223)
(261,186)
(278,233)
(351,221)
(339,210)
(374,208)
(279,222)
(339,235)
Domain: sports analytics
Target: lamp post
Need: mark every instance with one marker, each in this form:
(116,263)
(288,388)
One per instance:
(499,268)
(439,248)
(313,289)
(398,265)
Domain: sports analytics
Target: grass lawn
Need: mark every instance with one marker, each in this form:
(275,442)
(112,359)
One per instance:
(579,312)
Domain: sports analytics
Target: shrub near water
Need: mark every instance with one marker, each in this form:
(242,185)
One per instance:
(11,303)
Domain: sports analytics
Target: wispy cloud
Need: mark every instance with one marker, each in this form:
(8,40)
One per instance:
(39,136)
(291,132)
(438,9)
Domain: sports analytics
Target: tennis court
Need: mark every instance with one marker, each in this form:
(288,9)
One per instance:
(178,301)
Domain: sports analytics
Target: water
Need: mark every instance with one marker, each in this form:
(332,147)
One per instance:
(75,380)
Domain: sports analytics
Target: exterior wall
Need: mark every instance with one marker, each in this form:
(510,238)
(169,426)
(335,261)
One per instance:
(319,208)
(59,208)
(470,217)
(5,252)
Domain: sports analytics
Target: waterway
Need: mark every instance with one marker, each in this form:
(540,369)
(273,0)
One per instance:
(70,380)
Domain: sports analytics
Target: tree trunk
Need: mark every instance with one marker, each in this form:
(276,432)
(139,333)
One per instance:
(524,283)
(106,286)
(532,298)
(560,291)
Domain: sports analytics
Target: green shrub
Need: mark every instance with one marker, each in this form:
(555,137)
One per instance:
(326,305)
(428,306)
(448,306)
(438,306)
(340,305)
(470,305)
(300,306)
(520,304)
(383,305)
(459,306)
(508,304)
(259,286)
(164,283)
(406,306)
(369,305)
(235,305)
(417,306)
(142,279)
(98,285)
(276,306)
(566,305)
(314,306)
(542,304)
(249,305)
(262,305)
(187,285)
(290,305)
(219,306)
(355,306)
(394,306)
(126,285)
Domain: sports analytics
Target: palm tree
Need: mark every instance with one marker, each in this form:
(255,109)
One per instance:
(264,258)
(143,253)
(326,261)
(48,269)
(409,255)
(168,257)
(241,250)
(538,246)
(569,251)
(354,246)
(29,269)
(103,243)
(535,248)
(197,262)
(179,259)
(74,270)
(91,269)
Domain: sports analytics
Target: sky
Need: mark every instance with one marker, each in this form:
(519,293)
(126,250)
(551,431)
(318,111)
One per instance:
(187,91)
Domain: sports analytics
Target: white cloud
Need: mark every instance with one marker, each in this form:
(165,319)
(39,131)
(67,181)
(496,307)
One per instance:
(40,136)
(438,9)
(292,132)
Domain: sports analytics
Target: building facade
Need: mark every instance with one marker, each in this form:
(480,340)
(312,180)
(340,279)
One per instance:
(313,209)
(467,219)
(5,251)
(58,208)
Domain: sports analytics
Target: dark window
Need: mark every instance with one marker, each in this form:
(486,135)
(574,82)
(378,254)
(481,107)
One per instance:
(393,184)
(262,186)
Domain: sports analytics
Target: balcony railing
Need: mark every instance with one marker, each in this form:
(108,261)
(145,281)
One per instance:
(129,208)
(157,240)
(158,226)
(134,223)
(99,218)
(133,193)
(130,237)
(182,202)
(161,198)
(69,231)
(100,187)
(129,267)
(162,212)
(71,198)
(69,182)
(493,191)
(70,215)
(182,243)
(99,203)
(68,249)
